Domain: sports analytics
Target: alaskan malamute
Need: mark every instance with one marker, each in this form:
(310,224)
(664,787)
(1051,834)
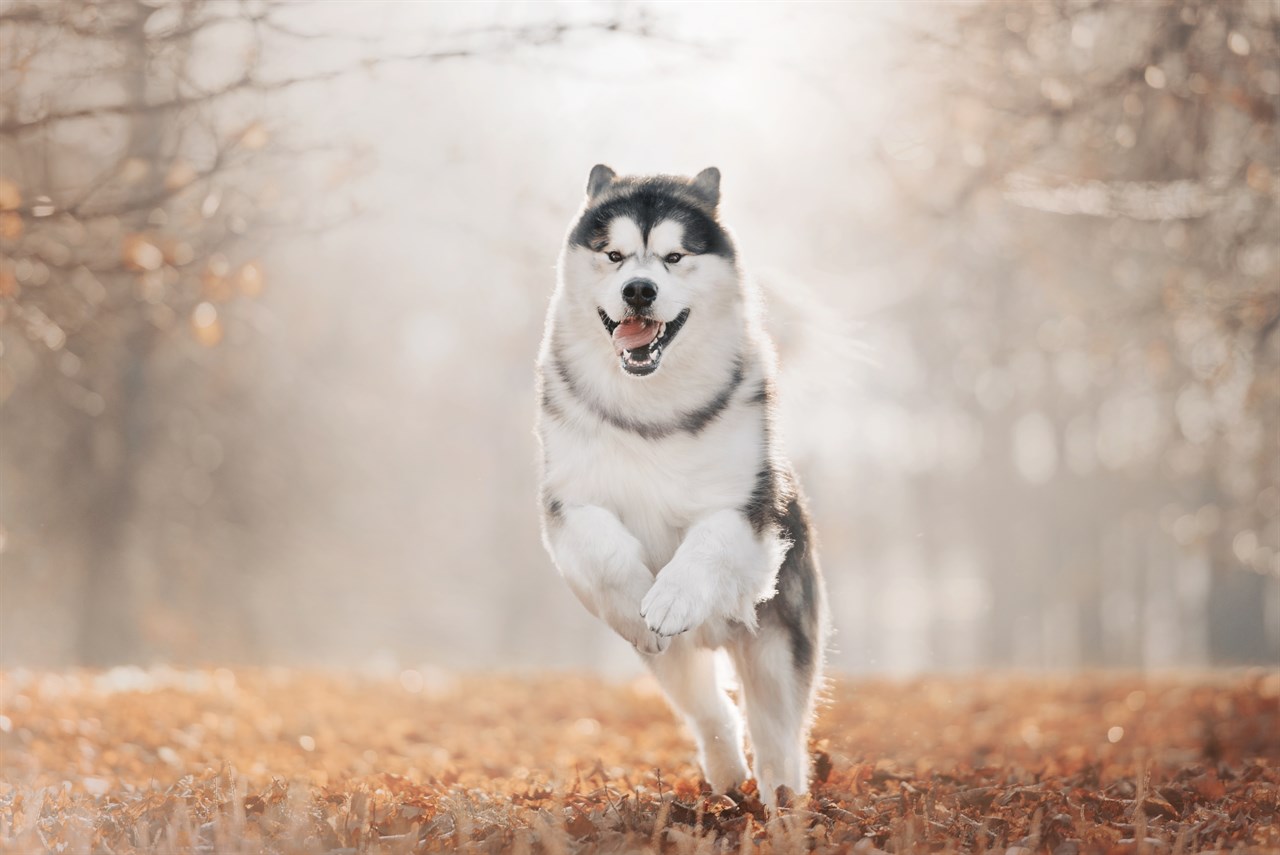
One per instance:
(667,503)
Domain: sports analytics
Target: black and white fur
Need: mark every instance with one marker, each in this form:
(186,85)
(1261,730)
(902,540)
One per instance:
(667,503)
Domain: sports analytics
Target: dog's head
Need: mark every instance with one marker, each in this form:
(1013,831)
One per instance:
(649,264)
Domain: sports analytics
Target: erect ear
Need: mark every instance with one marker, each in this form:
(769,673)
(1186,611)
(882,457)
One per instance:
(707,184)
(599,180)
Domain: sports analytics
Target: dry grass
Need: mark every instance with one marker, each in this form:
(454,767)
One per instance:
(265,761)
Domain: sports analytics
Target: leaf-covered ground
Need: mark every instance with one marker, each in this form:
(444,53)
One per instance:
(266,761)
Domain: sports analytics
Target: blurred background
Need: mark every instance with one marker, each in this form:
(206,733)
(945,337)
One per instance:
(273,276)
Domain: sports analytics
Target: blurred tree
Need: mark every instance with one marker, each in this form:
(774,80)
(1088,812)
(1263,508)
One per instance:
(1104,196)
(130,184)
(140,177)
(215,454)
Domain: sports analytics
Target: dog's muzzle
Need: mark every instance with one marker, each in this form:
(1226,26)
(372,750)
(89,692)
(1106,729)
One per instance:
(640,340)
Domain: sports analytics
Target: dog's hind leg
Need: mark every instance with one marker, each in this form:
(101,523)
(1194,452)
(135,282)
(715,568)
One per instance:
(687,674)
(778,692)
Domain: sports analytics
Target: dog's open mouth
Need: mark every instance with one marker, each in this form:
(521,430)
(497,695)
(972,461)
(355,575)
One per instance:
(640,341)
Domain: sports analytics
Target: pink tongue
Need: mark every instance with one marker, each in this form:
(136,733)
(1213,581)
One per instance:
(633,333)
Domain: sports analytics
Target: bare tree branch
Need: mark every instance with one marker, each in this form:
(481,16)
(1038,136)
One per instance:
(513,39)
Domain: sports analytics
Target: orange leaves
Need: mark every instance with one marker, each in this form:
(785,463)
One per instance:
(267,761)
(11,225)
(144,252)
(1259,178)
(10,195)
(249,279)
(133,170)
(140,252)
(159,259)
(205,324)
(219,283)
(214,283)
(254,137)
(180,174)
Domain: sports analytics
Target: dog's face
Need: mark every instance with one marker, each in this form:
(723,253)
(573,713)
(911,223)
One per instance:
(650,265)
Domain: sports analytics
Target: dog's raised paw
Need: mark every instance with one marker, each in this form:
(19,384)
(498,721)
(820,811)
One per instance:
(671,608)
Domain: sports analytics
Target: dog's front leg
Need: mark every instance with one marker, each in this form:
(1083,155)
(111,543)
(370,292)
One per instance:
(722,569)
(604,566)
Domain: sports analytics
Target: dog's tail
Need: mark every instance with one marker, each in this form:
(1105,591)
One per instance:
(819,346)
(827,372)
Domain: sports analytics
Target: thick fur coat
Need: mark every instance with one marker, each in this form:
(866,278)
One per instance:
(667,503)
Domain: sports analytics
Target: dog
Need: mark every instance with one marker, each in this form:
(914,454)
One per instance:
(666,502)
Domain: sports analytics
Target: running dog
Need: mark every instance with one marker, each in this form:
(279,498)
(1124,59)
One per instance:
(667,503)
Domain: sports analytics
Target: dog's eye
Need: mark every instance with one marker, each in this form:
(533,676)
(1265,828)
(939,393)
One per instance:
(673,257)
(615,256)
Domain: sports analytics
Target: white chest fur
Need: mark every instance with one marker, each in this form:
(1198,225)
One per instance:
(656,487)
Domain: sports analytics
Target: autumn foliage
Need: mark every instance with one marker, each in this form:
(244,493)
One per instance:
(277,761)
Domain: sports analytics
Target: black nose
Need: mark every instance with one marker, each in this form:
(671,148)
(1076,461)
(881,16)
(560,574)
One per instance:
(639,293)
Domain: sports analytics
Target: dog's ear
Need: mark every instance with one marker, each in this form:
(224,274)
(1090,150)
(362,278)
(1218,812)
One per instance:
(707,185)
(599,180)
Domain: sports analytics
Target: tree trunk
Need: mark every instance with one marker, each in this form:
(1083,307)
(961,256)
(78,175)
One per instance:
(113,593)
